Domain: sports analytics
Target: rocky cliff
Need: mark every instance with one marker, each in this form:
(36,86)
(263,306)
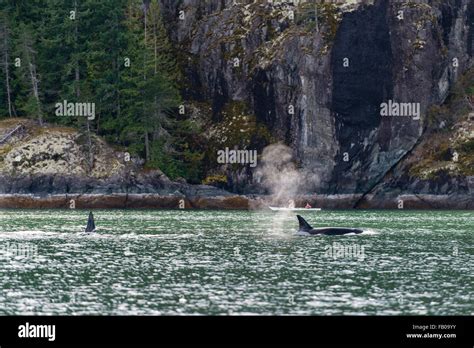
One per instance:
(318,85)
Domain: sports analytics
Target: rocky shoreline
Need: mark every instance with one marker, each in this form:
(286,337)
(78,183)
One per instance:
(43,169)
(230,202)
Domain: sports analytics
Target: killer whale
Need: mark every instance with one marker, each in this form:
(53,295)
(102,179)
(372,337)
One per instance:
(90,223)
(306,228)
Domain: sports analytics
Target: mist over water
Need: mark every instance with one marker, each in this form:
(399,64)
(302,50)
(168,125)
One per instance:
(226,262)
(279,174)
(282,180)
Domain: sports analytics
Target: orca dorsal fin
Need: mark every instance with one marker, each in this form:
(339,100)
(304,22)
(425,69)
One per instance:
(304,226)
(90,223)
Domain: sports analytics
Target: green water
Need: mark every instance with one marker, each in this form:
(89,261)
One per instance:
(227,262)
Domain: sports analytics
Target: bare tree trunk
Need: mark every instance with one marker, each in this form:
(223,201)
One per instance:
(316,15)
(147,147)
(29,52)
(78,96)
(155,48)
(35,83)
(155,44)
(147,143)
(145,41)
(117,78)
(77,74)
(11,110)
(7,83)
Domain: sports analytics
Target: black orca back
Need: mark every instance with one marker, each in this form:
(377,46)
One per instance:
(327,231)
(335,231)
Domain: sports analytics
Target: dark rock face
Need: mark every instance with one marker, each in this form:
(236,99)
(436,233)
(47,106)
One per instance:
(398,51)
(135,183)
(359,89)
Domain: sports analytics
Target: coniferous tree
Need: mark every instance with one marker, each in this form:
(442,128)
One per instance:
(150,93)
(114,54)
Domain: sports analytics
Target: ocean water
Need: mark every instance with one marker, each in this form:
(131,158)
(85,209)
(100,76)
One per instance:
(235,263)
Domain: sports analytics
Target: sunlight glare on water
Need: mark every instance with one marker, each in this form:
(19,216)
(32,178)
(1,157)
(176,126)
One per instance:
(234,262)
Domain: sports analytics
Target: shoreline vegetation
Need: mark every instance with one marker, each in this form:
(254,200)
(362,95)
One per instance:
(231,201)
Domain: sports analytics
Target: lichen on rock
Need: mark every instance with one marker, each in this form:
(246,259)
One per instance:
(56,151)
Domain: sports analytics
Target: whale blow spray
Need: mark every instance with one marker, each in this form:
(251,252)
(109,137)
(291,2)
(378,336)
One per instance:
(280,177)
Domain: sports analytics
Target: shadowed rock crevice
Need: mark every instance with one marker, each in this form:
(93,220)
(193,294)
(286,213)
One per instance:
(470,24)
(359,89)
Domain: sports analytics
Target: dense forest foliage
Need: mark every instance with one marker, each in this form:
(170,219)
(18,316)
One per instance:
(115,54)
